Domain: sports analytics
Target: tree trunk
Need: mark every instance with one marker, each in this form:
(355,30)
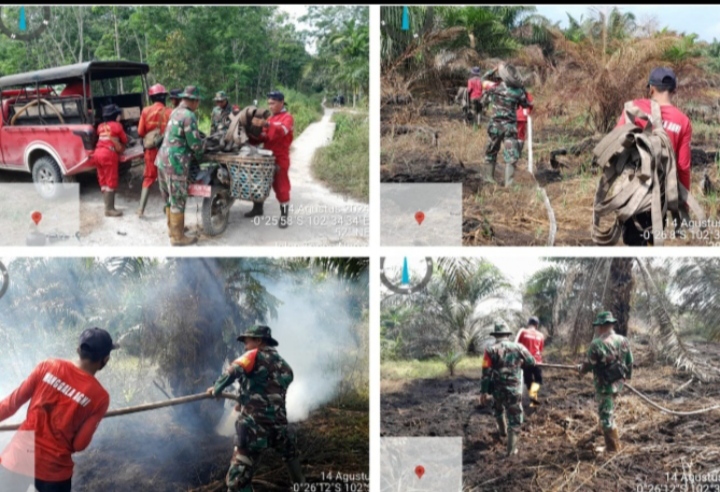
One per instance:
(117,46)
(622,284)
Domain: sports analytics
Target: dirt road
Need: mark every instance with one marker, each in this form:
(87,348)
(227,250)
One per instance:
(320,216)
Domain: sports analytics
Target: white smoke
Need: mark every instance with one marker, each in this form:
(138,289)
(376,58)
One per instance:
(313,342)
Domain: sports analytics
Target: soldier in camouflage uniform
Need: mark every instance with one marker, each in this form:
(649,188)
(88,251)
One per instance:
(220,117)
(610,358)
(502,371)
(264,379)
(181,144)
(505,97)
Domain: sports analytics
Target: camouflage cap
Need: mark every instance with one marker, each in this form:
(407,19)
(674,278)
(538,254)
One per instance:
(604,318)
(500,329)
(510,75)
(191,92)
(258,331)
(220,96)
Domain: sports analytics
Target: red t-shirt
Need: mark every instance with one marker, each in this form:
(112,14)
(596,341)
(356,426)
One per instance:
(474,88)
(66,406)
(678,128)
(110,129)
(534,341)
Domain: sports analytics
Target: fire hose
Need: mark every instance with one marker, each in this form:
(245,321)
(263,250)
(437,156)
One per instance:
(642,395)
(148,406)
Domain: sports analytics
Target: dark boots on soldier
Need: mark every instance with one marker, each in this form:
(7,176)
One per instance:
(109,197)
(284,210)
(509,173)
(612,440)
(256,211)
(502,427)
(490,174)
(513,435)
(143,201)
(177,230)
(295,470)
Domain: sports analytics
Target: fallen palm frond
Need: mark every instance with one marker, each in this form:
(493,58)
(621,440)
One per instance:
(667,338)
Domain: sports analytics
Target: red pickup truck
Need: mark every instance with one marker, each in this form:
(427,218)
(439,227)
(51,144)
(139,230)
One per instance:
(53,135)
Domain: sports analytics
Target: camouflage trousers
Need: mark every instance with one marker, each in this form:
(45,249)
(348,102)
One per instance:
(173,187)
(250,441)
(606,409)
(503,135)
(507,401)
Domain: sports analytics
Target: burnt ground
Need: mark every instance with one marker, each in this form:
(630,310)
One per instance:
(497,216)
(553,456)
(171,458)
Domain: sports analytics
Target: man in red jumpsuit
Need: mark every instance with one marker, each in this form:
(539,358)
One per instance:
(522,116)
(475,91)
(153,120)
(277,136)
(111,143)
(67,404)
(661,87)
(534,341)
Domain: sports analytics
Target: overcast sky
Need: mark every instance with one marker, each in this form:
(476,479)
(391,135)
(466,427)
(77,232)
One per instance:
(700,19)
(295,12)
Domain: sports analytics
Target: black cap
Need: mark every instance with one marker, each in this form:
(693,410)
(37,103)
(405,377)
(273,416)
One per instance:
(663,78)
(175,93)
(534,321)
(97,341)
(111,110)
(276,96)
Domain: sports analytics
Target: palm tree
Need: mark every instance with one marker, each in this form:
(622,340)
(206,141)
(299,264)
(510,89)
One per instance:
(592,284)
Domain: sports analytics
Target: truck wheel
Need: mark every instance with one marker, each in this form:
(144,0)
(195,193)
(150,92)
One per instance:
(47,177)
(216,211)
(124,168)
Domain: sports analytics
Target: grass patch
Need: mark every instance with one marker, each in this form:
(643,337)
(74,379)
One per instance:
(399,370)
(344,165)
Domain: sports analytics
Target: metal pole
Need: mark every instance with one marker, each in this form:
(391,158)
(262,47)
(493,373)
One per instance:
(148,406)
(530,149)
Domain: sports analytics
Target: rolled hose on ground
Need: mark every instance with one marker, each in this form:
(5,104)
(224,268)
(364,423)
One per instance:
(643,396)
(146,407)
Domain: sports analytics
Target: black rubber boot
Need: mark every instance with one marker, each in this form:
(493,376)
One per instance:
(284,210)
(143,201)
(256,211)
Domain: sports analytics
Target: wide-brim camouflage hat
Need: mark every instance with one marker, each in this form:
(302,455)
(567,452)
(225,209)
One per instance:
(510,75)
(220,96)
(500,329)
(604,318)
(258,331)
(191,92)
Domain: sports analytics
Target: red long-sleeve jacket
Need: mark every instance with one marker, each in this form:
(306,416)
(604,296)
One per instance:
(66,406)
(678,128)
(155,116)
(278,137)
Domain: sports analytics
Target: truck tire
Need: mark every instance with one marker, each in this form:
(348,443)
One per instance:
(216,211)
(47,177)
(124,168)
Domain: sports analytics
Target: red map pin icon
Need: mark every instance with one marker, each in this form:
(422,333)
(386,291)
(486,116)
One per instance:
(36,217)
(420,470)
(419,217)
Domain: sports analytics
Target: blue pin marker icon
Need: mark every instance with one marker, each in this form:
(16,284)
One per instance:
(22,23)
(406,19)
(405,274)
